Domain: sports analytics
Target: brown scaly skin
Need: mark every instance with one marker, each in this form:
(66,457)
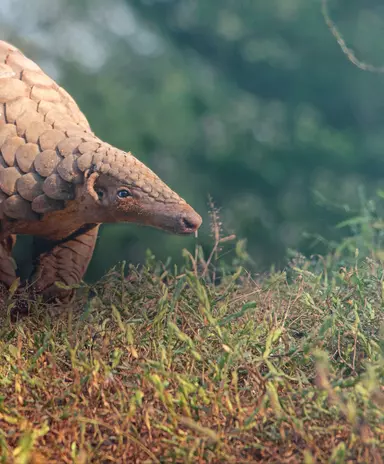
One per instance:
(59,182)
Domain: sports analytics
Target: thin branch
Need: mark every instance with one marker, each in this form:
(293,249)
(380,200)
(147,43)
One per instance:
(346,50)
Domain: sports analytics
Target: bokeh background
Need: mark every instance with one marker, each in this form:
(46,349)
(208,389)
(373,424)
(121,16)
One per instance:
(251,102)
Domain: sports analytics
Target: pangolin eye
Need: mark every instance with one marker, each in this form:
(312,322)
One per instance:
(100,194)
(124,193)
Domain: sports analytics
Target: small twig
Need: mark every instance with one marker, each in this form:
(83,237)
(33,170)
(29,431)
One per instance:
(209,259)
(215,229)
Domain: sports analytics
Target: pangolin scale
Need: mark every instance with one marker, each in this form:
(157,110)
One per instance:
(59,181)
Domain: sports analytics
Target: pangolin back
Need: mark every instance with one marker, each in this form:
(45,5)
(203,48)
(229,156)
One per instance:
(46,144)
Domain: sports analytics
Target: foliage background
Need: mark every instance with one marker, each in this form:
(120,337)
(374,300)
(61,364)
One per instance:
(250,102)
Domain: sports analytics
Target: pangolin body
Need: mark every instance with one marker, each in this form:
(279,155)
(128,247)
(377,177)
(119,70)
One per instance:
(58,180)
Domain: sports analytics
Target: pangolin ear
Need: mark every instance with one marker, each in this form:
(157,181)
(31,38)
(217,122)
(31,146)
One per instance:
(90,177)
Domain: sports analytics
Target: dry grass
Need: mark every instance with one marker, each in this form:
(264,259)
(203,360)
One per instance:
(200,365)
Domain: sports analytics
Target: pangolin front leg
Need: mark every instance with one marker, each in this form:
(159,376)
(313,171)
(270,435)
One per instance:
(65,261)
(7,264)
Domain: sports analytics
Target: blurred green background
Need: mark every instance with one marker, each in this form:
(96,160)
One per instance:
(251,102)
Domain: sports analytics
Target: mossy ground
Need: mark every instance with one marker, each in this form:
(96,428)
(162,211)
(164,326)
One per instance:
(197,365)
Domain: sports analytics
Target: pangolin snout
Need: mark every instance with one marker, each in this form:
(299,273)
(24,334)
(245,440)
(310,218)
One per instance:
(179,219)
(189,221)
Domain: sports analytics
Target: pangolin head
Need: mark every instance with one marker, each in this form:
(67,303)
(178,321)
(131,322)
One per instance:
(125,190)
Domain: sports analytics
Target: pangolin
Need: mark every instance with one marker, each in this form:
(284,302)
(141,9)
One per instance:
(59,182)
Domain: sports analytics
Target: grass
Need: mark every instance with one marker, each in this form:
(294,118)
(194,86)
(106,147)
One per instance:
(203,364)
